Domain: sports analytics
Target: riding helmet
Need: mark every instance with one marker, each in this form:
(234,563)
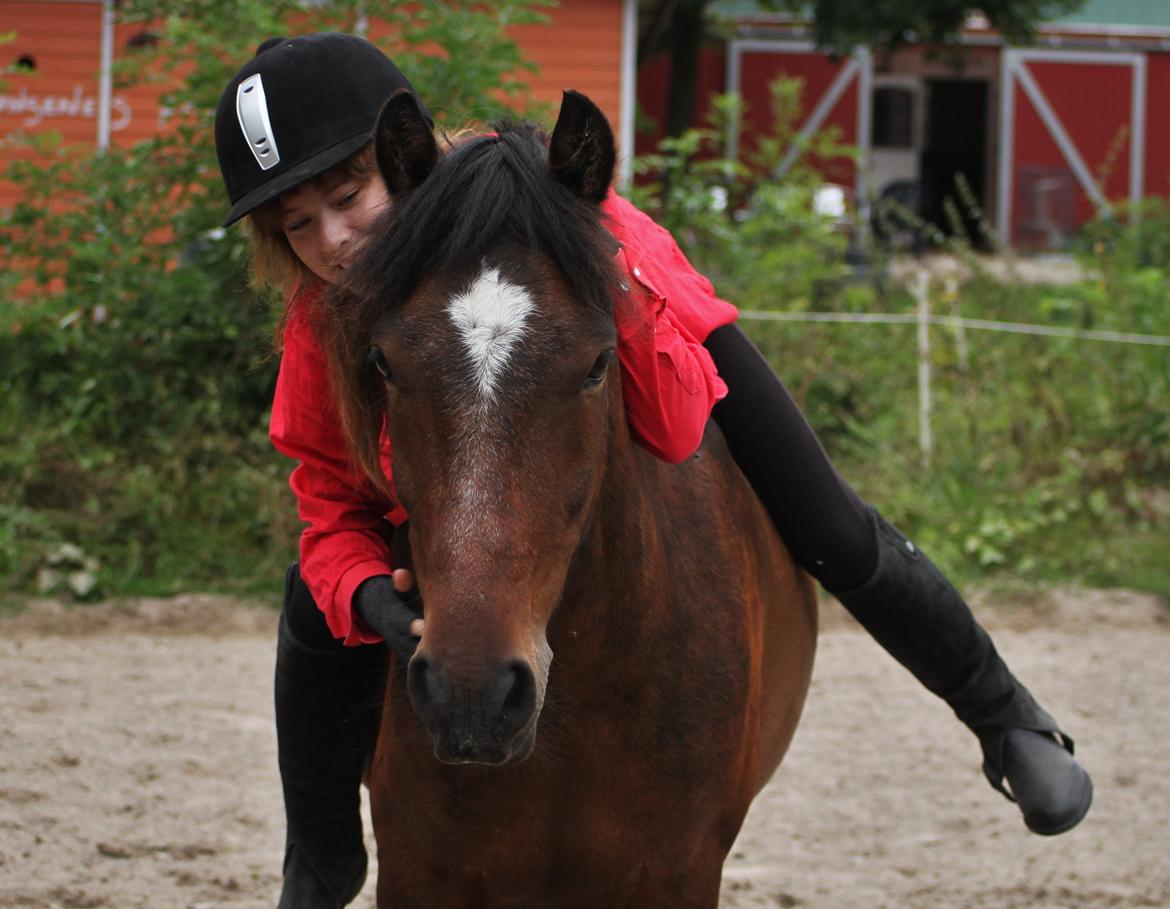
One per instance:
(298,107)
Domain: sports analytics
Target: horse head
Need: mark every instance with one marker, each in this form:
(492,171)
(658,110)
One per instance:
(479,326)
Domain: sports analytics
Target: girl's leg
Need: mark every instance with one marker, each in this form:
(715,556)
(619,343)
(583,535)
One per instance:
(327,699)
(892,589)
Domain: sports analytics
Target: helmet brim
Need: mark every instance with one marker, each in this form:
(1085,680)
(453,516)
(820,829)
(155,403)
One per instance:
(305,170)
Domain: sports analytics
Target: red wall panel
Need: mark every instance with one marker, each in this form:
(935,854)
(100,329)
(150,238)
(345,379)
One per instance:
(816,72)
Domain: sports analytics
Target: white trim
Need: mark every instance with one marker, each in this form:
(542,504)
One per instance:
(864,142)
(1062,55)
(1137,133)
(629,90)
(1007,141)
(731,80)
(778,45)
(106,76)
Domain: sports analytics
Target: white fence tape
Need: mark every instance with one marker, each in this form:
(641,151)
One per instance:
(924,318)
(1022,328)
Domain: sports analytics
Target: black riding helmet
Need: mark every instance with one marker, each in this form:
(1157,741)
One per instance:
(298,107)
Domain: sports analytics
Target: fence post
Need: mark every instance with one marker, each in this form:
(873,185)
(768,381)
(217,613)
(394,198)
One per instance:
(106,75)
(925,437)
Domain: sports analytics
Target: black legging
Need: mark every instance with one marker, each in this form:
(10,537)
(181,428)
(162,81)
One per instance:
(304,619)
(823,522)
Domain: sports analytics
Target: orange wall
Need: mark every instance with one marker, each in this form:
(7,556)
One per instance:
(580,48)
(63,39)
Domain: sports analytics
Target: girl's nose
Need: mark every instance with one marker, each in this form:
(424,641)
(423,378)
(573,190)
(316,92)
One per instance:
(337,236)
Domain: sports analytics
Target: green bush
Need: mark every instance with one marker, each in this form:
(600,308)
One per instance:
(138,375)
(1051,455)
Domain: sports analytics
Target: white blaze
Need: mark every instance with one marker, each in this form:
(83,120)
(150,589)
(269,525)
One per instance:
(491,317)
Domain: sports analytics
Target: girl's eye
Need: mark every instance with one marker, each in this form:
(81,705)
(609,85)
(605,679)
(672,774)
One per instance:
(378,360)
(350,196)
(600,367)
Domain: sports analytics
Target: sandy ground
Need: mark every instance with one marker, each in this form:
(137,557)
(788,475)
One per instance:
(137,768)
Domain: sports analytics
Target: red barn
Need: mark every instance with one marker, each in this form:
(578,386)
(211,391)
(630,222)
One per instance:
(1046,136)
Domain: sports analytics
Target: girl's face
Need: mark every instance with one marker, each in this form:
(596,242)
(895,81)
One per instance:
(326,223)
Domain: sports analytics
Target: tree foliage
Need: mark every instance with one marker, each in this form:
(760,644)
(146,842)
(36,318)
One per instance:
(843,24)
(136,379)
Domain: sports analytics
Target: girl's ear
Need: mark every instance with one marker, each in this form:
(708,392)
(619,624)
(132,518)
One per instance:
(404,143)
(581,153)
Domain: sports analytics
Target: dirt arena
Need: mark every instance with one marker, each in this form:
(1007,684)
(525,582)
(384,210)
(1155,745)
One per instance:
(137,768)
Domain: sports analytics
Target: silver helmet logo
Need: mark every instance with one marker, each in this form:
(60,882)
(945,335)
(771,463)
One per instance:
(252,110)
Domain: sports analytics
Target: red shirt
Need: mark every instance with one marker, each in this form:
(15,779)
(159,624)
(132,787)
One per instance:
(669,384)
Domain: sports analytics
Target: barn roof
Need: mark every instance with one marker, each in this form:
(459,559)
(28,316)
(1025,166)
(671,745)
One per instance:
(1139,14)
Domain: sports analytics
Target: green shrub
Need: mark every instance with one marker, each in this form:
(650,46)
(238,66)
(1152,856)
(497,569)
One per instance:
(1051,455)
(138,375)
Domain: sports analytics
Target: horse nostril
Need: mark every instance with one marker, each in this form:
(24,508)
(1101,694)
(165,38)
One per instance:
(519,702)
(417,683)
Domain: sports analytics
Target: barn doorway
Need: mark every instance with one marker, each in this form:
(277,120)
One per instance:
(955,135)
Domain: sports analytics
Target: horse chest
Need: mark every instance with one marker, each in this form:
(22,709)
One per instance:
(597,840)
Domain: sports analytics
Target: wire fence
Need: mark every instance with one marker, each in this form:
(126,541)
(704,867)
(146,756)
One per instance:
(1022,328)
(924,319)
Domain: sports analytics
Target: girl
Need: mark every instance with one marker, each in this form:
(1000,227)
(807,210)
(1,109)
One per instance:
(293,135)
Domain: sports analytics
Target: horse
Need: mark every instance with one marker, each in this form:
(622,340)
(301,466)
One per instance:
(616,649)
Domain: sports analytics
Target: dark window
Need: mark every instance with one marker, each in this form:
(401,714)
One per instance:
(142,40)
(26,63)
(893,118)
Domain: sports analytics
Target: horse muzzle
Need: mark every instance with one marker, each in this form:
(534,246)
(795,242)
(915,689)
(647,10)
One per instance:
(485,717)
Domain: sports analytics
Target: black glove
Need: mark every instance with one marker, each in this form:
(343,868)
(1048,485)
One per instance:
(389,613)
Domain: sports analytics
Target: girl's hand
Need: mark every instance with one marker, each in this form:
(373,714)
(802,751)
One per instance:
(390,606)
(403,582)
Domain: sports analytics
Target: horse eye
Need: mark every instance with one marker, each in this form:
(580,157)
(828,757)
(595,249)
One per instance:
(378,360)
(600,367)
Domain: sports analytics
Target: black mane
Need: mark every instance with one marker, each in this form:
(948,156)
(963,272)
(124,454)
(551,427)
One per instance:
(491,192)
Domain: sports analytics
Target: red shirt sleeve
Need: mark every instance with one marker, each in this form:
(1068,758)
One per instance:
(345,540)
(669,380)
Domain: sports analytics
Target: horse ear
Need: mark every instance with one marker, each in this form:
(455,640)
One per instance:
(404,143)
(581,153)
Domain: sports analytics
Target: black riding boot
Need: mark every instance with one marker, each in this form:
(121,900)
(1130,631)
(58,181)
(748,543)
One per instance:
(919,618)
(326,718)
(891,588)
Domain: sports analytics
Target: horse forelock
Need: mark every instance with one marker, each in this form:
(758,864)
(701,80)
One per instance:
(487,193)
(480,245)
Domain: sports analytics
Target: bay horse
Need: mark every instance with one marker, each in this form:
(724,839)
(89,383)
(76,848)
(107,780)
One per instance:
(616,649)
